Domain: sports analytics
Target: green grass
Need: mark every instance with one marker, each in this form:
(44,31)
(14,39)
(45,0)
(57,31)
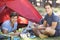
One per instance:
(37,38)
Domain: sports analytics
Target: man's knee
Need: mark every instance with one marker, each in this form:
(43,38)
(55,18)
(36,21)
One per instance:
(50,31)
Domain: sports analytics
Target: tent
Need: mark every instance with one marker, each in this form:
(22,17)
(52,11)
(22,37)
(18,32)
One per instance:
(22,7)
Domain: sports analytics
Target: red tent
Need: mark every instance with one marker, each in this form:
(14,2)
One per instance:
(24,8)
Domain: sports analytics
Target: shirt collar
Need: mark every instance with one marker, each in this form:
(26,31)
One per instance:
(51,15)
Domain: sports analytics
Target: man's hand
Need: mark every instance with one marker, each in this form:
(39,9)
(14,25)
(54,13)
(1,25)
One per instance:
(50,31)
(41,27)
(14,34)
(5,31)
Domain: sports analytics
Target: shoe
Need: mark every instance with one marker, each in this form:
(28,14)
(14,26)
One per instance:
(43,36)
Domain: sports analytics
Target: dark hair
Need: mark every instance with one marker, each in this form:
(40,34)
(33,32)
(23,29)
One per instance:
(13,14)
(47,4)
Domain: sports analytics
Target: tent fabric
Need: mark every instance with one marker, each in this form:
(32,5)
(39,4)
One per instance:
(25,8)
(4,15)
(2,6)
(6,0)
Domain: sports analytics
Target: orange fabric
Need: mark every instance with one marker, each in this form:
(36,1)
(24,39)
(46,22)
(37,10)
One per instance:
(22,20)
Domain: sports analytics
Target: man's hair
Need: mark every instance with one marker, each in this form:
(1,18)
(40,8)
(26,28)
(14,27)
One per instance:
(13,14)
(47,4)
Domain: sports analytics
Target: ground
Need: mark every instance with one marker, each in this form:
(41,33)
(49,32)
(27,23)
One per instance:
(37,38)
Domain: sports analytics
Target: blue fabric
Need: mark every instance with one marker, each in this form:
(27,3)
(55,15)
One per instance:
(57,33)
(16,38)
(53,18)
(28,27)
(7,26)
(41,21)
(29,30)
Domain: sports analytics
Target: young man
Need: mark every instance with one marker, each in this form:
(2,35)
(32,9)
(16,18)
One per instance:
(51,24)
(10,25)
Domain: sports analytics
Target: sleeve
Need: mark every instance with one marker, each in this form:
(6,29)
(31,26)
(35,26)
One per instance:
(41,21)
(4,26)
(55,19)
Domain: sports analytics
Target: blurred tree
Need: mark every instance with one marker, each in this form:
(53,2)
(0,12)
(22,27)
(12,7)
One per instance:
(33,2)
(54,3)
(47,0)
(42,2)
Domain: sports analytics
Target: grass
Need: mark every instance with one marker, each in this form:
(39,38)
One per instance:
(37,38)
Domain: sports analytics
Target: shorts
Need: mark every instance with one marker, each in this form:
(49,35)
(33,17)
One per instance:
(57,33)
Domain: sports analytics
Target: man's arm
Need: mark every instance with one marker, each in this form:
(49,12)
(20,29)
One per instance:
(43,26)
(51,30)
(54,24)
(52,27)
(4,31)
(45,23)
